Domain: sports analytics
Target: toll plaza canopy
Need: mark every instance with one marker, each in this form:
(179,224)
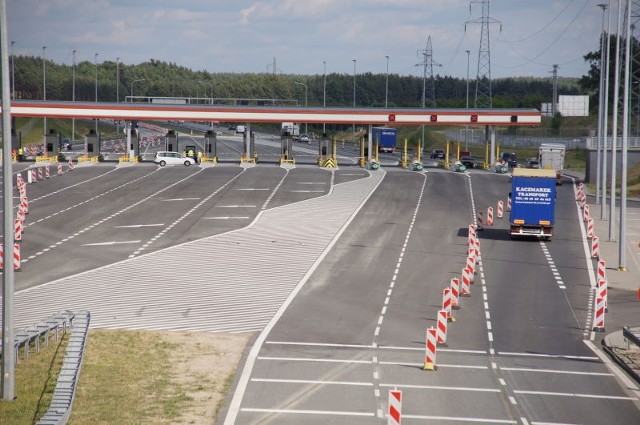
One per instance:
(276,114)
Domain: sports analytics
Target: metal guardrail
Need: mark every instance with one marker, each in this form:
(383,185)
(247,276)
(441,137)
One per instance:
(59,410)
(34,334)
(631,335)
(632,142)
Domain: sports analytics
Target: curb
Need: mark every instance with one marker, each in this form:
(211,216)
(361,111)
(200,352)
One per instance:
(619,361)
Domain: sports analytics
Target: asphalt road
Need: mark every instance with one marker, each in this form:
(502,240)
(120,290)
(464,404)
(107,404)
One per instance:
(226,248)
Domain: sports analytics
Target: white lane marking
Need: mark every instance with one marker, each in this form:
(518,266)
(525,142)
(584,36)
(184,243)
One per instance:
(598,396)
(180,199)
(566,372)
(110,243)
(253,189)
(440,387)
(312,360)
(369,346)
(440,365)
(307,412)
(135,226)
(241,217)
(512,400)
(311,182)
(306,191)
(313,382)
(459,419)
(552,356)
(235,206)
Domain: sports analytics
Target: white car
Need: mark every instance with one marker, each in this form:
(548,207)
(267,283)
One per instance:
(304,138)
(172,158)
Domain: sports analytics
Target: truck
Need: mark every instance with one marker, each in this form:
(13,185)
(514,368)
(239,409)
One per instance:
(384,138)
(290,129)
(551,157)
(533,202)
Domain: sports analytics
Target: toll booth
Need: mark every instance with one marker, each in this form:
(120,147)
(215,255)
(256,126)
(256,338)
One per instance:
(16,141)
(171,141)
(249,144)
(134,145)
(210,144)
(92,143)
(323,148)
(52,143)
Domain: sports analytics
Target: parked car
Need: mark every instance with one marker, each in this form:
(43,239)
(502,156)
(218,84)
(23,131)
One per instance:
(172,158)
(533,163)
(304,138)
(437,154)
(468,161)
(232,127)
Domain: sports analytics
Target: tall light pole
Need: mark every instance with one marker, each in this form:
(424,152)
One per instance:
(466,134)
(73,94)
(605,124)
(44,90)
(603,6)
(306,91)
(386,85)
(324,92)
(353,126)
(614,129)
(95,62)
(117,80)
(13,72)
(139,79)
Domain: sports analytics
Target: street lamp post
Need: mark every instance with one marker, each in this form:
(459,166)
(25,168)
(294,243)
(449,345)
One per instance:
(324,92)
(603,6)
(73,95)
(306,91)
(386,85)
(13,72)
(132,82)
(44,85)
(95,62)
(353,126)
(466,134)
(117,80)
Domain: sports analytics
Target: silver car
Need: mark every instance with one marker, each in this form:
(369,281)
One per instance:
(172,158)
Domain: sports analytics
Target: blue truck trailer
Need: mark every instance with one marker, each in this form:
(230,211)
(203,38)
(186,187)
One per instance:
(533,202)
(384,138)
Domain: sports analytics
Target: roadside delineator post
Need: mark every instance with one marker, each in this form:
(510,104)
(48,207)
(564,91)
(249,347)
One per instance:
(595,247)
(59,169)
(490,216)
(479,220)
(430,356)
(455,293)
(602,292)
(585,214)
(16,257)
(394,416)
(598,315)
(17,227)
(602,270)
(509,204)
(30,176)
(47,172)
(70,164)
(442,326)
(39,173)
(446,304)
(471,265)
(590,227)
(465,289)
(500,209)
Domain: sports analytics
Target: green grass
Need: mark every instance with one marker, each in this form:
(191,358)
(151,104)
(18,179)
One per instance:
(62,127)
(35,380)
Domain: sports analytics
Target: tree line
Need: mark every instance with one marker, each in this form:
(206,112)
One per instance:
(164,79)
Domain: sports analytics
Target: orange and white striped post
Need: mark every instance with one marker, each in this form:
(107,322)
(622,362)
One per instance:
(442,326)
(394,416)
(16,257)
(586,214)
(595,247)
(490,216)
(479,220)
(70,164)
(39,173)
(431,345)
(602,292)
(59,169)
(509,204)
(47,172)
(17,227)
(598,315)
(455,292)
(465,288)
(500,209)
(446,304)
(602,270)
(590,227)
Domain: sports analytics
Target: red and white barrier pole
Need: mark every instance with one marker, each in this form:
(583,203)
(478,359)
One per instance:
(394,416)
(602,270)
(590,227)
(471,265)
(70,164)
(595,247)
(39,173)
(31,176)
(585,214)
(16,257)
(47,172)
(59,169)
(500,209)
(509,204)
(603,292)
(446,304)
(465,289)
(17,227)
(455,293)
(598,315)
(442,327)
(430,356)
(490,216)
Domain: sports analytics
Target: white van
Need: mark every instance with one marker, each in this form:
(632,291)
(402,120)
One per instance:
(172,158)
(240,129)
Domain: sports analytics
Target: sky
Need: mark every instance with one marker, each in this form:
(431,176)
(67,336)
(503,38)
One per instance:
(526,37)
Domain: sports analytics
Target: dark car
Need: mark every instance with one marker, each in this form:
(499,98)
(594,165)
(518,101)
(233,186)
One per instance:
(468,161)
(437,154)
(65,144)
(509,158)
